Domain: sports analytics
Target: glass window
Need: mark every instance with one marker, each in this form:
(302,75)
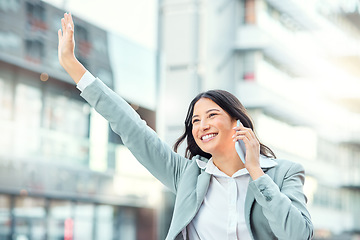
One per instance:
(28,106)
(250,12)
(36,17)
(10,42)
(6,103)
(30,218)
(66,115)
(67,121)
(60,209)
(13,5)
(29,207)
(34,50)
(5,220)
(6,106)
(105,222)
(247,66)
(83,221)
(35,11)
(60,213)
(84,47)
(127,224)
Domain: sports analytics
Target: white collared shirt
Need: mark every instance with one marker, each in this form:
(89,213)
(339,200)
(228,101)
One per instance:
(222,213)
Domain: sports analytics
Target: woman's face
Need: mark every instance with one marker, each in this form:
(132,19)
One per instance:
(212,127)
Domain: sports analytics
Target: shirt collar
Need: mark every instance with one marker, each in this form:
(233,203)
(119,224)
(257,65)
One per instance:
(210,167)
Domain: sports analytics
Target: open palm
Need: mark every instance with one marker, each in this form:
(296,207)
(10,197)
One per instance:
(66,39)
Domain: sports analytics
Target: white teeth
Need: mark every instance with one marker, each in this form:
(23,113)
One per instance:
(208,136)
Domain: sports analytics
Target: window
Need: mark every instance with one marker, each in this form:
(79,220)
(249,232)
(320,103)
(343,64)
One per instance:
(127,224)
(28,107)
(12,5)
(246,62)
(6,94)
(36,17)
(30,218)
(250,12)
(34,50)
(284,19)
(5,220)
(35,11)
(83,221)
(66,121)
(84,46)
(59,213)
(105,216)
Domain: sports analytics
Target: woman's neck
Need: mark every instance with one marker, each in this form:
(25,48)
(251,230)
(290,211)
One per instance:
(228,163)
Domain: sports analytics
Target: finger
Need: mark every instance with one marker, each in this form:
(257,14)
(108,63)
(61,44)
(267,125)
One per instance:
(238,133)
(70,31)
(241,137)
(59,35)
(66,17)
(246,132)
(71,21)
(63,25)
(253,134)
(240,127)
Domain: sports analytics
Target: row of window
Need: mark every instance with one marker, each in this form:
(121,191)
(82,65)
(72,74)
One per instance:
(39,24)
(345,155)
(336,198)
(46,120)
(28,218)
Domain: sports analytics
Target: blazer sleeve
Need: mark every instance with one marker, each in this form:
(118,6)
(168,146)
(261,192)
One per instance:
(285,206)
(154,154)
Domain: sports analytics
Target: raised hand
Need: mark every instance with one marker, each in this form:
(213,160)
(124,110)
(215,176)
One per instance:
(66,45)
(66,48)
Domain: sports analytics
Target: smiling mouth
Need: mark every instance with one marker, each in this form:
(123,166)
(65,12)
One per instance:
(208,136)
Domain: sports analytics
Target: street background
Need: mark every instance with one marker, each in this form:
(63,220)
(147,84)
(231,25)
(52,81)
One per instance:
(65,175)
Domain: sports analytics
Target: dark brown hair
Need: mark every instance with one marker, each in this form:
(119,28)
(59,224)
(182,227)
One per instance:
(229,103)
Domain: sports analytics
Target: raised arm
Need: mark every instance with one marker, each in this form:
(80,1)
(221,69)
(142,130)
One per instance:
(66,49)
(166,165)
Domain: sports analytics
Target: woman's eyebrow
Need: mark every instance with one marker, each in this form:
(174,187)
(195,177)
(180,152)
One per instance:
(212,109)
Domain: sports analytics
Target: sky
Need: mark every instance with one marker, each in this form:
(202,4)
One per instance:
(135,19)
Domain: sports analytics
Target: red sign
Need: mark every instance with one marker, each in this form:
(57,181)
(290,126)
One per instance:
(68,229)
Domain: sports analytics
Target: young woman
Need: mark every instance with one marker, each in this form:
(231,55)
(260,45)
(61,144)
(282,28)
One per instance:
(217,195)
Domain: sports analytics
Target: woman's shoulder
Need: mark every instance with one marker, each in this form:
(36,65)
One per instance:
(285,163)
(287,168)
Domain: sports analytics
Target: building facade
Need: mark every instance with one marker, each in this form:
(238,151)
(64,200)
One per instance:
(64,174)
(294,65)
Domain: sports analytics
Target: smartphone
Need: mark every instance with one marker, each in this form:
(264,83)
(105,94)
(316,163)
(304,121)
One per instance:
(240,147)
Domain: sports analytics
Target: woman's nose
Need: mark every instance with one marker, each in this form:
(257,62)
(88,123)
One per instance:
(204,125)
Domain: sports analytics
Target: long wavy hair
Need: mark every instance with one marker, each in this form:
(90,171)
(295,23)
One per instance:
(229,103)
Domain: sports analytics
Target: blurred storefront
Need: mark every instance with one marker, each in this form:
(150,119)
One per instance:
(64,174)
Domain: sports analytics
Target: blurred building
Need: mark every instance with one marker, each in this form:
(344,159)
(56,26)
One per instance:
(295,66)
(63,173)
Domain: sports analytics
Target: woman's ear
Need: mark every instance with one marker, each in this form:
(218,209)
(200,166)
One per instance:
(233,122)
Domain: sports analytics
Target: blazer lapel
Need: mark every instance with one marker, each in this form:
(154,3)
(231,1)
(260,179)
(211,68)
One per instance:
(202,187)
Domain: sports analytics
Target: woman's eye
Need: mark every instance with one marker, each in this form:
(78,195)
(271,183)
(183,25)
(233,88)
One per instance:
(194,121)
(212,114)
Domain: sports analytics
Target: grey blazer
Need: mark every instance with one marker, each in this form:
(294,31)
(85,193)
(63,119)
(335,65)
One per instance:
(275,206)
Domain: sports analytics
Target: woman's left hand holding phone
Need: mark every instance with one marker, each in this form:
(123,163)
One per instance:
(66,49)
(252,154)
